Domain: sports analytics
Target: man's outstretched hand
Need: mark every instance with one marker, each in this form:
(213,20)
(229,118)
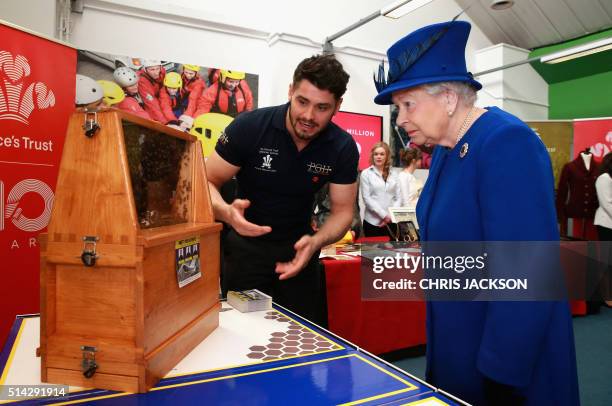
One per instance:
(240,224)
(304,248)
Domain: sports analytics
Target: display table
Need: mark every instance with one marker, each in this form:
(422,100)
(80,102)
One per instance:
(260,358)
(378,327)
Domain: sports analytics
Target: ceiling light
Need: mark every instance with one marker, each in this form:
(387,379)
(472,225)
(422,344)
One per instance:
(578,51)
(501,4)
(393,10)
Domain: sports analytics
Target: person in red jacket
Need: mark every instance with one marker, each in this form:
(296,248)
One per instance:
(230,95)
(150,83)
(193,86)
(213,75)
(172,98)
(133,103)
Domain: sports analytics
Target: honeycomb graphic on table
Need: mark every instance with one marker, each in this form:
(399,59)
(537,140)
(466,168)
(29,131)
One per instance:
(296,341)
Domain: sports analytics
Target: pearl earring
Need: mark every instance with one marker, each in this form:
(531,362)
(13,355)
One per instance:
(450,113)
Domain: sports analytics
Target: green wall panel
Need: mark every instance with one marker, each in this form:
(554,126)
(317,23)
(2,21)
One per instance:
(586,97)
(579,88)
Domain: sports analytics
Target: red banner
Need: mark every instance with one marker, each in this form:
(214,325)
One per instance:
(365,129)
(595,134)
(37,85)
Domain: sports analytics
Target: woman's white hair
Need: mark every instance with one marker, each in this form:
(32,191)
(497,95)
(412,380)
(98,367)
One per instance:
(465,92)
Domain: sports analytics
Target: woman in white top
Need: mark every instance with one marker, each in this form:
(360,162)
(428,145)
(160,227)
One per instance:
(603,221)
(410,186)
(380,190)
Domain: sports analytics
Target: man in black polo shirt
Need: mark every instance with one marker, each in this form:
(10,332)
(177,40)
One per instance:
(281,156)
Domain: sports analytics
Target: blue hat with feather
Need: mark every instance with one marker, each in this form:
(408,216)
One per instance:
(435,53)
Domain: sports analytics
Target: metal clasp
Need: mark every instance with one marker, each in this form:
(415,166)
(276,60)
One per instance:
(91,125)
(88,255)
(88,365)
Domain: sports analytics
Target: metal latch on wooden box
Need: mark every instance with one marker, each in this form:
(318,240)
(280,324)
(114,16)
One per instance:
(88,255)
(91,125)
(88,365)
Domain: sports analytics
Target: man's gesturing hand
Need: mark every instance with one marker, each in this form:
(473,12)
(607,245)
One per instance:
(240,224)
(304,248)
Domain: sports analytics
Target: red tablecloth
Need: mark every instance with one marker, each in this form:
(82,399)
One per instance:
(574,257)
(378,327)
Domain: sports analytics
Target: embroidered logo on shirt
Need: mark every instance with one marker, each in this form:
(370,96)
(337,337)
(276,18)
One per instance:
(267,155)
(267,162)
(319,169)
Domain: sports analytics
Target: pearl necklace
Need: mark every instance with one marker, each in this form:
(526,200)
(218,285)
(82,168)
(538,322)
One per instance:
(466,124)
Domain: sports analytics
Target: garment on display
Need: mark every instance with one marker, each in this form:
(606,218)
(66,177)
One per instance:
(576,196)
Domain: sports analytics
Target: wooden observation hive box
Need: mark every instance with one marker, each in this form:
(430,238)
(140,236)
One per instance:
(130,263)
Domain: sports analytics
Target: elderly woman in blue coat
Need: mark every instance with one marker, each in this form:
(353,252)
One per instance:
(490,180)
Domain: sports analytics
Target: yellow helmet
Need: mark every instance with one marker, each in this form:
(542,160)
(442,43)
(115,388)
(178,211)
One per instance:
(113,93)
(347,239)
(208,127)
(231,74)
(173,80)
(194,68)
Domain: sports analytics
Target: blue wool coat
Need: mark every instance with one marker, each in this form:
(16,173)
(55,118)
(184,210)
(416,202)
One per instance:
(501,190)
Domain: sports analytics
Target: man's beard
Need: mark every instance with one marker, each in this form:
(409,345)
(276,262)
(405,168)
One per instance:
(300,135)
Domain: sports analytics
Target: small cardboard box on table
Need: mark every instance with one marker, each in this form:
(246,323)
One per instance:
(130,262)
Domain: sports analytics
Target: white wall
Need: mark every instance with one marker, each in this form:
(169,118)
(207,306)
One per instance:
(519,90)
(265,37)
(35,15)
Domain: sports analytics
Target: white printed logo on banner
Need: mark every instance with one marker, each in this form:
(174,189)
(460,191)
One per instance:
(600,149)
(15,213)
(15,103)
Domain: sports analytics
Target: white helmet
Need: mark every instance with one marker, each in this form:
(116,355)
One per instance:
(87,90)
(147,63)
(125,76)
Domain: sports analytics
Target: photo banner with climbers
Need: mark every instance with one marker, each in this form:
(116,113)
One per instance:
(366,131)
(192,98)
(557,136)
(595,134)
(37,90)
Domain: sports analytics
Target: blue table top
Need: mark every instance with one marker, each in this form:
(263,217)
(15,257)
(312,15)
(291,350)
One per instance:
(339,375)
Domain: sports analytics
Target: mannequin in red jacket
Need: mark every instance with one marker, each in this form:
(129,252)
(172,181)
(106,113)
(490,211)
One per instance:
(229,95)
(576,195)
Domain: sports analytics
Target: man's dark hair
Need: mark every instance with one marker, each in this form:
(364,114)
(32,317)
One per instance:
(323,71)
